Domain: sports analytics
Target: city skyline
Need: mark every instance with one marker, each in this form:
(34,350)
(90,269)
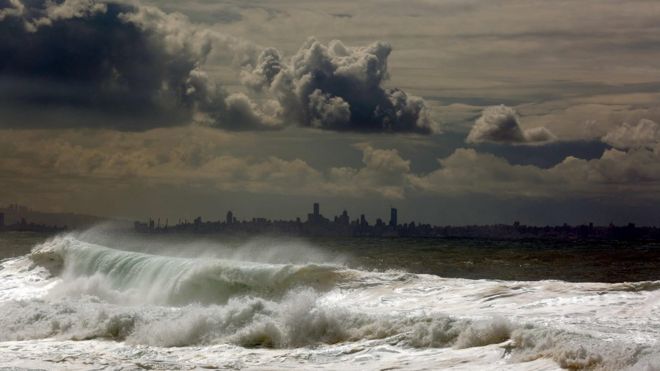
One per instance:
(317,225)
(17,214)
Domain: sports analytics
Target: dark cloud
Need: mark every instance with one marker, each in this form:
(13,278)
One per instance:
(109,64)
(500,124)
(218,109)
(336,87)
(72,63)
(267,66)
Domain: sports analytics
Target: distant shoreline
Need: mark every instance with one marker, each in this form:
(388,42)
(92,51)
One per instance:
(316,225)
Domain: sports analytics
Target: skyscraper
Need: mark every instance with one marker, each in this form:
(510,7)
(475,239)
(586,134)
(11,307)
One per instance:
(343,218)
(316,217)
(393,217)
(2,220)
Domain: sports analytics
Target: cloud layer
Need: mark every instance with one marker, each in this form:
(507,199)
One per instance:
(203,158)
(500,124)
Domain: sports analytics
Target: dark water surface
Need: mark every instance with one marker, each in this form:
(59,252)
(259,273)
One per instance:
(586,261)
(13,244)
(578,261)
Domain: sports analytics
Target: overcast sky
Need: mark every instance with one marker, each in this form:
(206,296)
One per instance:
(453,111)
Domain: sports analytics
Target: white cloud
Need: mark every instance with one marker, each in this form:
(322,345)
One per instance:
(500,124)
(645,133)
(336,87)
(634,173)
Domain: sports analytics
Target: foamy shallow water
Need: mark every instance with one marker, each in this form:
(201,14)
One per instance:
(68,355)
(75,305)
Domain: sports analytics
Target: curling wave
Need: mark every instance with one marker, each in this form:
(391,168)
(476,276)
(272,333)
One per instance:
(137,278)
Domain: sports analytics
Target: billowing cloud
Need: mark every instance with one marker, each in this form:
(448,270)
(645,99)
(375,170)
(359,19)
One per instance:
(645,133)
(262,74)
(328,112)
(336,87)
(127,66)
(216,108)
(113,64)
(500,124)
(469,171)
(616,171)
(632,174)
(384,173)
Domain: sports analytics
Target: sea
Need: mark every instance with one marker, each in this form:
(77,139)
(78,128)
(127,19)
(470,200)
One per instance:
(102,299)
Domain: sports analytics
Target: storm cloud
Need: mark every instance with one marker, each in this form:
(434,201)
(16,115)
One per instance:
(111,64)
(500,124)
(337,87)
(88,63)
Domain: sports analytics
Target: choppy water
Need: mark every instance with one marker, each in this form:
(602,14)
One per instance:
(93,301)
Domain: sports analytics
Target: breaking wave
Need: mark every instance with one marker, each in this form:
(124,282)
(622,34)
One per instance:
(137,278)
(296,321)
(106,293)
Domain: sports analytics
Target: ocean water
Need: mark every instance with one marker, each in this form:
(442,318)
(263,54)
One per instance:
(97,300)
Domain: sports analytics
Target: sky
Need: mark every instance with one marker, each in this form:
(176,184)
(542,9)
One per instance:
(452,111)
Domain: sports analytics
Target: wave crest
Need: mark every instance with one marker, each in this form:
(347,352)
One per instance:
(137,278)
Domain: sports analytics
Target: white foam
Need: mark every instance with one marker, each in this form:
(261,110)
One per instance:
(21,279)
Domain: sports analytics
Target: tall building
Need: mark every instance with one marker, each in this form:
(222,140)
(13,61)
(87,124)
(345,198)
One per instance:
(316,217)
(344,218)
(230,217)
(2,220)
(393,217)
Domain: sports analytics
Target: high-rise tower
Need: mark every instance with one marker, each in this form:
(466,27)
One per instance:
(393,217)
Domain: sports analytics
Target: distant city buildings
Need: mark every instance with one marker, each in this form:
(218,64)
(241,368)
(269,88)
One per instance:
(20,218)
(14,214)
(17,208)
(22,225)
(316,218)
(342,226)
